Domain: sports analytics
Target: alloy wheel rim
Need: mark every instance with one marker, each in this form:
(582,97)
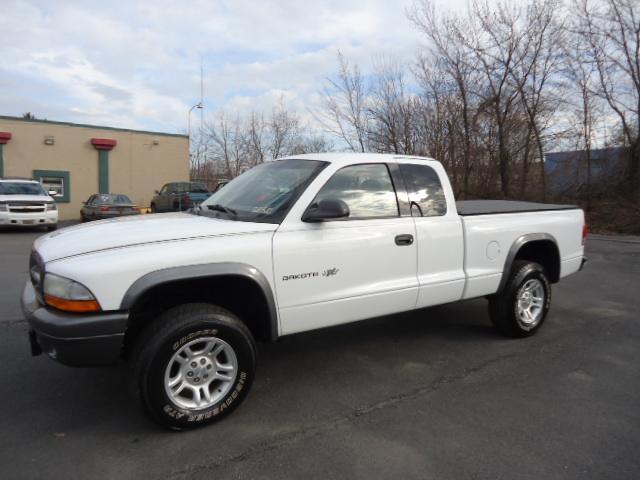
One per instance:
(530,303)
(200,373)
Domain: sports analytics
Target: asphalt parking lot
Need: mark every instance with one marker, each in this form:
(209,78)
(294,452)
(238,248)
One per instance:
(430,394)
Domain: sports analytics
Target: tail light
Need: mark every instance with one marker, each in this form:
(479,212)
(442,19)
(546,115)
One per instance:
(187,200)
(135,209)
(105,209)
(585,233)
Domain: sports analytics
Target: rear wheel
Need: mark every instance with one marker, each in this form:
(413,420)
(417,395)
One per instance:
(153,208)
(521,308)
(193,365)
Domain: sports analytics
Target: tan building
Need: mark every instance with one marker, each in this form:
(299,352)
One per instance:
(79,160)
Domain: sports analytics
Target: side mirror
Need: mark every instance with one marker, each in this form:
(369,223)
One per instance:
(53,193)
(156,192)
(328,209)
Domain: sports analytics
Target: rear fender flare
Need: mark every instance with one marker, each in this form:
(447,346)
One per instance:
(515,248)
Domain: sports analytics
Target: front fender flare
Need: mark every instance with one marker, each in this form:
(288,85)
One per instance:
(158,277)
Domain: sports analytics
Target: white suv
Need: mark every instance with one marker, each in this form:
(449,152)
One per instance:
(24,202)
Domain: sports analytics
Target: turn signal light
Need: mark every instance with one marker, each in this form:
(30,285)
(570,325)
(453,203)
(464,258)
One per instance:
(72,305)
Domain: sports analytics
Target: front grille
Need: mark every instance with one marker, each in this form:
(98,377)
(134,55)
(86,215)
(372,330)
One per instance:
(17,203)
(26,207)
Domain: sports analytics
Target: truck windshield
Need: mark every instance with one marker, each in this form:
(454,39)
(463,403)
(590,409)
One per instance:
(21,188)
(263,194)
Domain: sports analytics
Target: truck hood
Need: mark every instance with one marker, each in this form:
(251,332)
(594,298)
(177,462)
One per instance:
(130,231)
(26,198)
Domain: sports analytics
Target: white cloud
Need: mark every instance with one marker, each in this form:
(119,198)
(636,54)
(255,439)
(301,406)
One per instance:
(136,64)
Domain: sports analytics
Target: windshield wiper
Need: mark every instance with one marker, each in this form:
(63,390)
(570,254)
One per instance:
(221,208)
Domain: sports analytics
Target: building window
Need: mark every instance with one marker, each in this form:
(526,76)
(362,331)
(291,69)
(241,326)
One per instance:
(55,180)
(53,184)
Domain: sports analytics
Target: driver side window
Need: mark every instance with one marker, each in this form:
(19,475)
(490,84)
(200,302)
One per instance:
(366,188)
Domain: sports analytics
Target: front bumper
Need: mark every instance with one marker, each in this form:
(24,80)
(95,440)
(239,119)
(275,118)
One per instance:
(108,215)
(29,219)
(77,340)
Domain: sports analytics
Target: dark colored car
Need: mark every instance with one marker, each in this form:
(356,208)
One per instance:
(107,205)
(179,196)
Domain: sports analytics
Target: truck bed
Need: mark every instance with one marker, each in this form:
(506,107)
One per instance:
(490,207)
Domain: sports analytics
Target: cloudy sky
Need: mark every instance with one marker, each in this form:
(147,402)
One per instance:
(136,64)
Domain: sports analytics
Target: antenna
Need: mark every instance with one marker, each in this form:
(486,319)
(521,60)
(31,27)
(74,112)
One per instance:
(201,94)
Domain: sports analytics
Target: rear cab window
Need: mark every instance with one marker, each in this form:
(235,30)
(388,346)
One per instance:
(426,195)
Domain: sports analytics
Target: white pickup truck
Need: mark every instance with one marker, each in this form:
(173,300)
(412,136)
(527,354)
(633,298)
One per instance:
(289,246)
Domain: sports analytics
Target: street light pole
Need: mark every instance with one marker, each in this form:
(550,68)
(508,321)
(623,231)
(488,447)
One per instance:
(197,105)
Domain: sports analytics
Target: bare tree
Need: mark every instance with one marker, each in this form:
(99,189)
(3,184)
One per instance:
(227,143)
(581,77)
(612,29)
(237,143)
(539,63)
(283,129)
(345,114)
(452,56)
(391,111)
(256,137)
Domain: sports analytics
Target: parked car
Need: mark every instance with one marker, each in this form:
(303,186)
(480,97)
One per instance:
(291,245)
(25,203)
(107,205)
(179,196)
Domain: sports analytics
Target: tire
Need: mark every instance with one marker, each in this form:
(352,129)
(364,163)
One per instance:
(155,365)
(508,309)
(153,208)
(51,228)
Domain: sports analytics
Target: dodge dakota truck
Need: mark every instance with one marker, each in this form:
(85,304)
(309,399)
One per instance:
(289,246)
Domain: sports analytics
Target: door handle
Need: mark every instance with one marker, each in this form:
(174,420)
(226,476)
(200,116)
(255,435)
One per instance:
(405,239)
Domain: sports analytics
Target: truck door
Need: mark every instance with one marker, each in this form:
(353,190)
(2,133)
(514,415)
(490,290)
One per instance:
(349,269)
(440,240)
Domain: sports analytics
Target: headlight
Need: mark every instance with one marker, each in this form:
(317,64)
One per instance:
(51,206)
(67,295)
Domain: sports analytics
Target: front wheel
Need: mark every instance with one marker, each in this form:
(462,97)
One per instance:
(193,365)
(521,308)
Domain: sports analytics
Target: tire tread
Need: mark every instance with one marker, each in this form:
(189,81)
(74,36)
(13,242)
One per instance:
(153,335)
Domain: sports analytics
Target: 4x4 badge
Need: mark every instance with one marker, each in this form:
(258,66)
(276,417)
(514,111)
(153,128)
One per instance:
(329,272)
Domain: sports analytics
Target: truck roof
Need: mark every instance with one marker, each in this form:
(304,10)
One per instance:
(350,157)
(18,180)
